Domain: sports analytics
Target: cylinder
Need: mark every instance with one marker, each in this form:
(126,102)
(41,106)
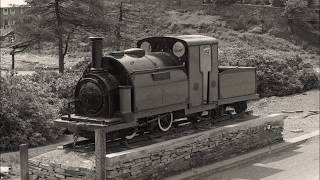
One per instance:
(96,44)
(125,99)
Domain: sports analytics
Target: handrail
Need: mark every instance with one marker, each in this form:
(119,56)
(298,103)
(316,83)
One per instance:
(156,69)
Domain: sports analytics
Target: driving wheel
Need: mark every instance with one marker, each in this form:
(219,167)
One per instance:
(165,122)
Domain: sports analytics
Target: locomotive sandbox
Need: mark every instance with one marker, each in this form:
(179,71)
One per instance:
(162,159)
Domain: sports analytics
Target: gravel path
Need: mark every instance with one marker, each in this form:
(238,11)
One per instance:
(297,107)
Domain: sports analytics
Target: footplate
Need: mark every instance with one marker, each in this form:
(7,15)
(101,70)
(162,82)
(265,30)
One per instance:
(78,123)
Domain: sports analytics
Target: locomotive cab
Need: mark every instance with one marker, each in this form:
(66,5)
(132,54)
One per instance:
(199,55)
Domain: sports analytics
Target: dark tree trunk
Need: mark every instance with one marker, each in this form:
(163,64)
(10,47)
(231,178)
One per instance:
(59,37)
(118,30)
(61,57)
(39,46)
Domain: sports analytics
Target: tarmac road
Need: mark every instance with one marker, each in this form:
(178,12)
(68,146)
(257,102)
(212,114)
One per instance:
(300,163)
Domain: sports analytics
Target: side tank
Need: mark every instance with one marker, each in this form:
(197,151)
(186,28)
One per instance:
(157,79)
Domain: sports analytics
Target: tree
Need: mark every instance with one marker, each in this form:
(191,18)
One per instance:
(222,2)
(277,3)
(295,8)
(128,20)
(59,20)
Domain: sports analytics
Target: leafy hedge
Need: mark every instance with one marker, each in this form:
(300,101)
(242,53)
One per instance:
(278,74)
(29,104)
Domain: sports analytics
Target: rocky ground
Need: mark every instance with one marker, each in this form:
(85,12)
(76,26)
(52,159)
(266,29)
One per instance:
(302,110)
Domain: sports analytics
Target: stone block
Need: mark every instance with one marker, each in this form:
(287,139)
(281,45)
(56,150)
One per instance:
(60,176)
(73,173)
(155,157)
(73,178)
(35,168)
(59,170)
(112,174)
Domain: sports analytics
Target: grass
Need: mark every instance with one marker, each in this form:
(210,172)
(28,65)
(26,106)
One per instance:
(29,61)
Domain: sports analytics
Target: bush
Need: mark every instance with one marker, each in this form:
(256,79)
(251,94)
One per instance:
(225,2)
(295,7)
(240,24)
(277,3)
(29,104)
(277,76)
(310,79)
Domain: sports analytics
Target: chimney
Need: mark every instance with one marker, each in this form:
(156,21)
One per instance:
(96,43)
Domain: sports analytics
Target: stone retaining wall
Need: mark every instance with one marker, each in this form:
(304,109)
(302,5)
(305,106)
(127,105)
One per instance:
(166,158)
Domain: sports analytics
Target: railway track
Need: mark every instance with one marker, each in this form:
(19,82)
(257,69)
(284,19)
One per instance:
(182,127)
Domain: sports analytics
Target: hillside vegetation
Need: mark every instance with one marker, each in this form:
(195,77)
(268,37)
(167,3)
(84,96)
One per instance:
(283,68)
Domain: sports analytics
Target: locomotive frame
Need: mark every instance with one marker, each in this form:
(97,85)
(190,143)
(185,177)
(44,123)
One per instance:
(163,79)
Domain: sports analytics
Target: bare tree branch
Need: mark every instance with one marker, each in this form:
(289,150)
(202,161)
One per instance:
(67,40)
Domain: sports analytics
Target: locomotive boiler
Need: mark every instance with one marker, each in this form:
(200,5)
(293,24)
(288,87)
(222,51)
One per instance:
(148,87)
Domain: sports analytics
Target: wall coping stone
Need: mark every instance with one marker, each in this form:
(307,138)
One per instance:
(136,153)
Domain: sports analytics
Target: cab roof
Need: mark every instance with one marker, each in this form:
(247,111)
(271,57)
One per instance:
(193,40)
(190,40)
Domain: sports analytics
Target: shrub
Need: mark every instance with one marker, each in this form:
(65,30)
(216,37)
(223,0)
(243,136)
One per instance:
(310,79)
(240,24)
(29,104)
(277,76)
(225,2)
(295,7)
(277,3)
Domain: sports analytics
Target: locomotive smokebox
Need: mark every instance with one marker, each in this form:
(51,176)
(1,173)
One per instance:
(96,43)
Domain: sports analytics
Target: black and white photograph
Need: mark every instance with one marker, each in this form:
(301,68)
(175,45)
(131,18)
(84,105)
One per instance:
(159,89)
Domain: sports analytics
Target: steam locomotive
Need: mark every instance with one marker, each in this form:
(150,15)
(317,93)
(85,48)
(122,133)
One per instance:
(147,88)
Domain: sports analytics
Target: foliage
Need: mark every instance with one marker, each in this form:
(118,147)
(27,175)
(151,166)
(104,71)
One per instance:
(28,106)
(224,2)
(297,12)
(295,7)
(240,24)
(244,22)
(60,20)
(277,3)
(276,76)
(30,28)
(259,2)
(129,19)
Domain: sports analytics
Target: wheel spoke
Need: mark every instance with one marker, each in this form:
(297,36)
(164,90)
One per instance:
(165,122)
(131,134)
